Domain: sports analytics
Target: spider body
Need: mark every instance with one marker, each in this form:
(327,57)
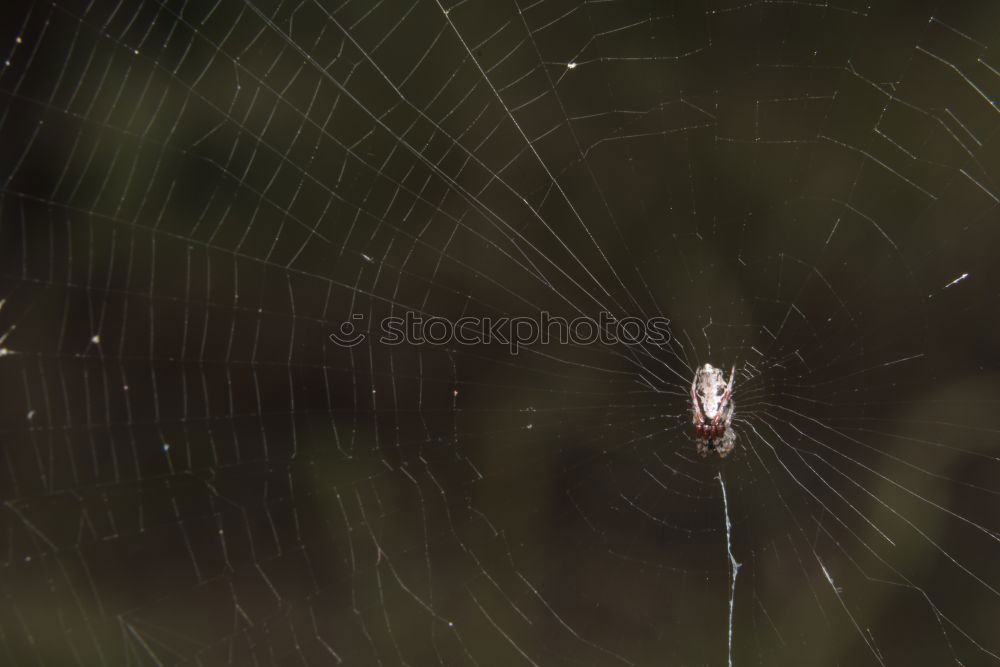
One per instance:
(712,407)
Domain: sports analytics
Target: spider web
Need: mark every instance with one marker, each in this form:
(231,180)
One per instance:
(196,194)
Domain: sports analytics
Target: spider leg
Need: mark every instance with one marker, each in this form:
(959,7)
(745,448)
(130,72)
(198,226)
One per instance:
(698,415)
(729,387)
(724,403)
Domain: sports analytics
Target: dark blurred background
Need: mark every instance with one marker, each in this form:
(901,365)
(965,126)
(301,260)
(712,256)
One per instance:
(196,194)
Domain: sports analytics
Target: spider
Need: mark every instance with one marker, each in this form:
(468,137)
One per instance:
(711,401)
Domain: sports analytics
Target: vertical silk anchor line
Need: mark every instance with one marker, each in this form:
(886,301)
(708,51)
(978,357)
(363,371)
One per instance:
(734,567)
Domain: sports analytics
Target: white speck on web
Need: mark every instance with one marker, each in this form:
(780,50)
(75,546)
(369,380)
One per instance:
(954,282)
